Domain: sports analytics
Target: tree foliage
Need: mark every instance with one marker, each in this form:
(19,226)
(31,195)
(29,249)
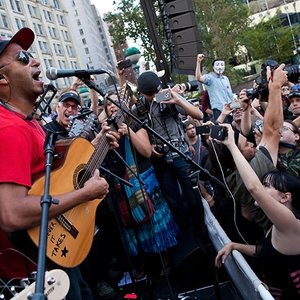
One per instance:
(222,24)
(225,29)
(128,22)
(269,39)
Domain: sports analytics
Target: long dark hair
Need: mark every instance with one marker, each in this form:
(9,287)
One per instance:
(284,182)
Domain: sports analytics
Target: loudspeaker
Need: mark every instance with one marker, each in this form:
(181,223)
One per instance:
(184,36)
(188,49)
(178,7)
(182,21)
(186,57)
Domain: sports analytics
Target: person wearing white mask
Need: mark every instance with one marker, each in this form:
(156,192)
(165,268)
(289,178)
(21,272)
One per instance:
(217,84)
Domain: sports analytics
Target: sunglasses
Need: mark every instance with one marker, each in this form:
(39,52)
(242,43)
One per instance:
(23,57)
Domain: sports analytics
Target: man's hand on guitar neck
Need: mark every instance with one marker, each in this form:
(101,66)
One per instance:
(112,136)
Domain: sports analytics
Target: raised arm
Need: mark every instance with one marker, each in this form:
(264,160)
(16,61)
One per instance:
(198,73)
(273,119)
(280,215)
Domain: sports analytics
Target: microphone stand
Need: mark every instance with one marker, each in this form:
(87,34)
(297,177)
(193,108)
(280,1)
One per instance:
(46,201)
(144,124)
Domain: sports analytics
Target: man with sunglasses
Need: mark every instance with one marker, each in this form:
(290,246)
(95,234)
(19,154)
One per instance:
(22,157)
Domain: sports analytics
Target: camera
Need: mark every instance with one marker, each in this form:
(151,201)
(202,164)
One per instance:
(163,96)
(164,149)
(124,64)
(202,129)
(191,86)
(235,105)
(218,132)
(262,91)
(259,125)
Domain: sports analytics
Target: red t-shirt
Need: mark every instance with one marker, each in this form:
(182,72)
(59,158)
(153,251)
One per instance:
(22,159)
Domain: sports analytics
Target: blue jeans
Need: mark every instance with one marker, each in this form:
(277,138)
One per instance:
(178,191)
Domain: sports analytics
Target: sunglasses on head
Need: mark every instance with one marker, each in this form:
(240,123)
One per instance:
(22,56)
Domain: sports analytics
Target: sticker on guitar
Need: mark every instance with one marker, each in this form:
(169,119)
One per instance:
(57,285)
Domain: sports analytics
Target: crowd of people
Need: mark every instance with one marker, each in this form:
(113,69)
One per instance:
(152,164)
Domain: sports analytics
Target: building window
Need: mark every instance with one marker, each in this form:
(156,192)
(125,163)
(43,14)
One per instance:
(70,50)
(60,20)
(48,15)
(81,32)
(32,11)
(57,48)
(52,32)
(78,22)
(44,47)
(87,51)
(20,23)
(1,3)
(15,5)
(74,64)
(4,22)
(84,41)
(56,4)
(38,29)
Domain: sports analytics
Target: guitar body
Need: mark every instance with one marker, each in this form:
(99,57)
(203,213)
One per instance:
(57,284)
(70,235)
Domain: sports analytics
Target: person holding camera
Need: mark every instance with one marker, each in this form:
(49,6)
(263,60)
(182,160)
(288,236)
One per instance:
(218,85)
(278,254)
(263,158)
(172,170)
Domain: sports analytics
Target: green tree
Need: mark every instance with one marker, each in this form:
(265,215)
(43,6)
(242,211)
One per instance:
(128,22)
(222,24)
(270,40)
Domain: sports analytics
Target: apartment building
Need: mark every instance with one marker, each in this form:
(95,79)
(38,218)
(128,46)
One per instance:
(64,40)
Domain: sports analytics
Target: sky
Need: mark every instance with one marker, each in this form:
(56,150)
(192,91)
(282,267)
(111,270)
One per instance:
(103,6)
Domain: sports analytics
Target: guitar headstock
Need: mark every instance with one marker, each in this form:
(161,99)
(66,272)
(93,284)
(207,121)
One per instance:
(57,285)
(81,125)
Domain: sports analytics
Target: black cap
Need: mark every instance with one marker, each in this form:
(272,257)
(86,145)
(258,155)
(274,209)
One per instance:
(295,91)
(149,83)
(24,37)
(70,95)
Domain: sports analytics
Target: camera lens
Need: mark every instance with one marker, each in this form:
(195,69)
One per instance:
(191,86)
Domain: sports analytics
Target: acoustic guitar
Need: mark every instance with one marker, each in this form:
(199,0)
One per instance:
(70,235)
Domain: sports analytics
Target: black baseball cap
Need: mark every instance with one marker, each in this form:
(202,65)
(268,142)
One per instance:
(70,95)
(24,37)
(149,83)
(295,91)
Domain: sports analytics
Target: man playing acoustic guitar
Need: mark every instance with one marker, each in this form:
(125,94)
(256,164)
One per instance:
(22,157)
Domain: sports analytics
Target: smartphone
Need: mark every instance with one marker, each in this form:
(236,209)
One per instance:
(124,64)
(235,105)
(204,129)
(218,132)
(163,96)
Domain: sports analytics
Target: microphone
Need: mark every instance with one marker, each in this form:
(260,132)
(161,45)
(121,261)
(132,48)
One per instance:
(53,73)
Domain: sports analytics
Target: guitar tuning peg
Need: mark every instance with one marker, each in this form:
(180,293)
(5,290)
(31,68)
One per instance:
(50,280)
(33,275)
(24,282)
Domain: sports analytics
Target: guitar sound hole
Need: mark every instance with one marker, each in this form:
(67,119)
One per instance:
(81,175)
